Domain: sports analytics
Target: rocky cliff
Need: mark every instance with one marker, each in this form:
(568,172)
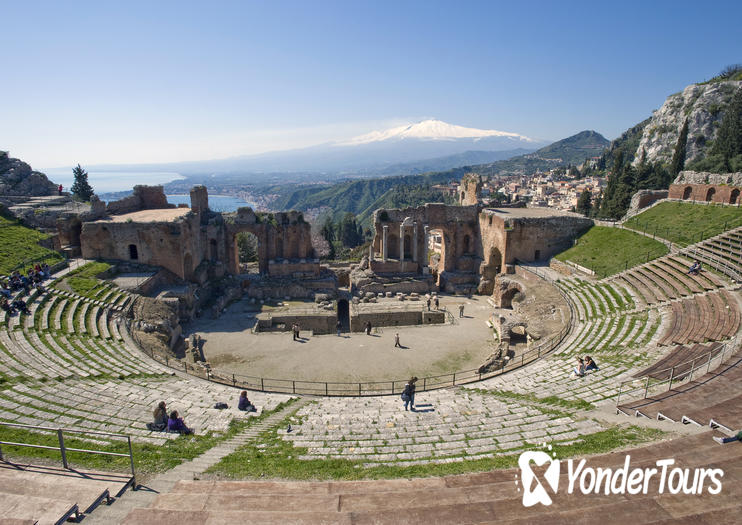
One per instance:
(17,178)
(703,105)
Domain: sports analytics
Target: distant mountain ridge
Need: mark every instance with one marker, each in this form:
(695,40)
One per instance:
(430,145)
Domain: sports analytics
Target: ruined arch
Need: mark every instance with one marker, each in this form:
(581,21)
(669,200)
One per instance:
(408,247)
(687,192)
(734,196)
(495,259)
(710,194)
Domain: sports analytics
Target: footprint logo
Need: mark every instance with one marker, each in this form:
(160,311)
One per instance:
(533,490)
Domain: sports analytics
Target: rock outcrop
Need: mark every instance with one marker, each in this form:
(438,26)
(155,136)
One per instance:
(17,178)
(703,105)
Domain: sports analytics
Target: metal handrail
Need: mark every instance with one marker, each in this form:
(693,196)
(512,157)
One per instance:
(672,372)
(364,388)
(63,449)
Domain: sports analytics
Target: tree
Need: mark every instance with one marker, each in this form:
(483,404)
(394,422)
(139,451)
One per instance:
(584,203)
(678,157)
(81,187)
(728,141)
(247,247)
(348,231)
(328,230)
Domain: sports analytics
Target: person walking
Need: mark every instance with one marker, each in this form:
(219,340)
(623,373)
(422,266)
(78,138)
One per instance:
(408,394)
(461,310)
(339,327)
(396,341)
(428,301)
(436,303)
(294,330)
(368,327)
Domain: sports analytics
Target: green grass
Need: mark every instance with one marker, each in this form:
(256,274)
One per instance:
(148,458)
(686,223)
(273,457)
(611,250)
(19,247)
(572,404)
(83,281)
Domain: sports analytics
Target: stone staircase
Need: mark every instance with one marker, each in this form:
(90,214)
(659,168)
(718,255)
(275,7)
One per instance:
(132,501)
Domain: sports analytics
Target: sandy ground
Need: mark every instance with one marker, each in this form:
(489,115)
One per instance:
(428,350)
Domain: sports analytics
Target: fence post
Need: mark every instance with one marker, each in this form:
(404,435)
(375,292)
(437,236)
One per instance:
(359,389)
(690,376)
(62,449)
(646,388)
(131,464)
(262,385)
(618,397)
(672,374)
(454,378)
(293,386)
(233,381)
(425,381)
(709,364)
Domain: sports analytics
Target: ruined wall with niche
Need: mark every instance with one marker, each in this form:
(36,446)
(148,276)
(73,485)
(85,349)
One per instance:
(143,198)
(469,189)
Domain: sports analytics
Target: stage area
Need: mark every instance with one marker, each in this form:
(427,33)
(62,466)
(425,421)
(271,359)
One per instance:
(230,346)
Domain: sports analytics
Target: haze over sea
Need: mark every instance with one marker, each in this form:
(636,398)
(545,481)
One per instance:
(110,181)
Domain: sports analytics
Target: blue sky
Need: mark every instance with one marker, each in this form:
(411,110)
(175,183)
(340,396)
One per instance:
(105,82)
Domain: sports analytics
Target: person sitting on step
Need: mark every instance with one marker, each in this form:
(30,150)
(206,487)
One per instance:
(176,424)
(730,439)
(160,418)
(694,268)
(20,305)
(590,364)
(579,369)
(244,403)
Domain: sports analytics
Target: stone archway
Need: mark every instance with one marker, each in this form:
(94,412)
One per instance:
(710,194)
(687,192)
(734,196)
(407,247)
(392,246)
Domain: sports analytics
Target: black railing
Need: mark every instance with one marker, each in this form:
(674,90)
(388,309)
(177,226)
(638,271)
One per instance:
(367,388)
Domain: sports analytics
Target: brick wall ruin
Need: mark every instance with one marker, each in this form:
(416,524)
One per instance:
(707,187)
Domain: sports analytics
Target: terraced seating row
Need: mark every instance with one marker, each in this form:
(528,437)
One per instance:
(596,299)
(723,253)
(710,317)
(450,425)
(679,361)
(478,498)
(125,406)
(713,398)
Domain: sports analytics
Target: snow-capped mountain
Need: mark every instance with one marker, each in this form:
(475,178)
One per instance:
(423,146)
(432,129)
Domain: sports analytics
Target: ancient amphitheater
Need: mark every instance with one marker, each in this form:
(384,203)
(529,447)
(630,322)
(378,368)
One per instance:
(666,343)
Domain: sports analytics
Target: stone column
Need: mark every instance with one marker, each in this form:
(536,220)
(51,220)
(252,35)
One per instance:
(426,248)
(414,241)
(401,242)
(371,252)
(383,244)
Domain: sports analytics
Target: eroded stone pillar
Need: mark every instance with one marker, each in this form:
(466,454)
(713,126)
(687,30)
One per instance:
(401,242)
(383,243)
(414,242)
(371,252)
(426,248)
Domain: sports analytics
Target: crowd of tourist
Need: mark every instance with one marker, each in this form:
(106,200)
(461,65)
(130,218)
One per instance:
(18,281)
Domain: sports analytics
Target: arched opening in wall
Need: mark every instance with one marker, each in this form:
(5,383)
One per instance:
(687,192)
(133,252)
(537,255)
(506,300)
(407,247)
(495,260)
(467,245)
(734,197)
(246,245)
(213,253)
(490,220)
(710,194)
(344,314)
(463,196)
(392,246)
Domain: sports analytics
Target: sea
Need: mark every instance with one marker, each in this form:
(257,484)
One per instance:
(111,181)
(116,181)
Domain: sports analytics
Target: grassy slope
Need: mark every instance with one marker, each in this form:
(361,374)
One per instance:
(83,281)
(610,250)
(686,223)
(19,247)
